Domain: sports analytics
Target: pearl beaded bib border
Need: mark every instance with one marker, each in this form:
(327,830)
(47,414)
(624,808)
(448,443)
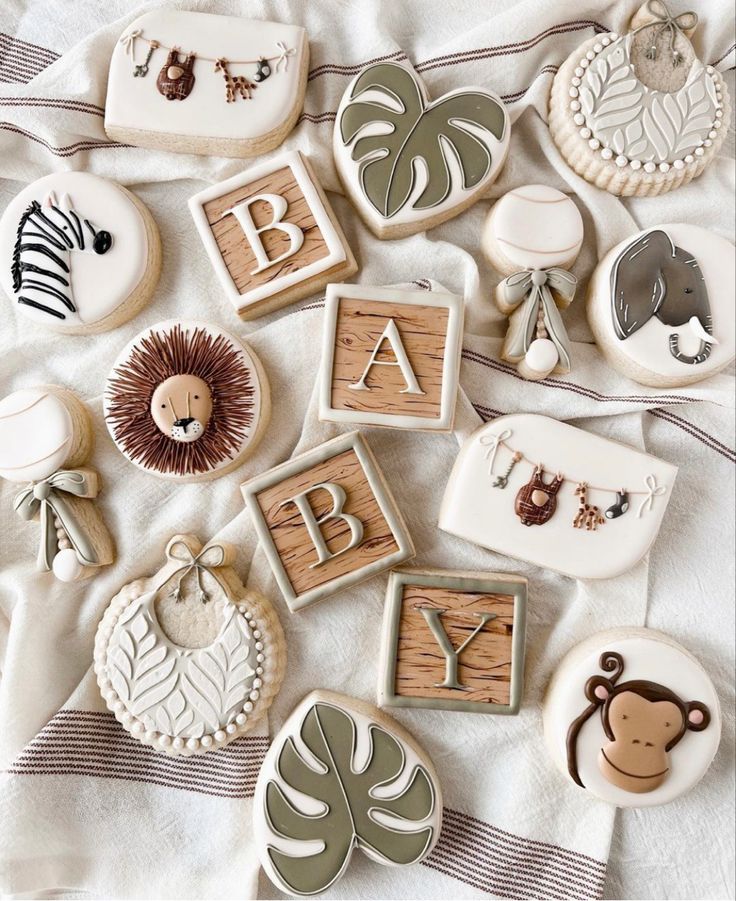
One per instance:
(252,708)
(608,102)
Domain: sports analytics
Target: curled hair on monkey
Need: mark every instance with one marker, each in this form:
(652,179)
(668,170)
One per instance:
(642,721)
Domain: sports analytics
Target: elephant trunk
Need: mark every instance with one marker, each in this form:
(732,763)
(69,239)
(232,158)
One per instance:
(705,332)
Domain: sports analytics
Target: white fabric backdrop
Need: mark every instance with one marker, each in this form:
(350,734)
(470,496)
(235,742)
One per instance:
(84,834)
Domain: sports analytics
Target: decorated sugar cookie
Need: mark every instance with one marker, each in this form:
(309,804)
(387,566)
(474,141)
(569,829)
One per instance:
(271,235)
(534,488)
(342,775)
(45,436)
(408,162)
(639,113)
(186,400)
(533,235)
(193,82)
(632,717)
(189,659)
(662,305)
(78,253)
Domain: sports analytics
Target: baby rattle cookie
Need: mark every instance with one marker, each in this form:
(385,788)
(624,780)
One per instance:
(662,305)
(187,401)
(45,434)
(342,775)
(533,235)
(632,717)
(191,82)
(79,253)
(189,659)
(409,163)
(639,114)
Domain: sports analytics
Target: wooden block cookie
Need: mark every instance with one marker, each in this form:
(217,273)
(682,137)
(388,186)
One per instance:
(193,82)
(186,400)
(78,254)
(189,659)
(639,114)
(390,357)
(326,520)
(533,235)
(662,305)
(409,163)
(544,491)
(342,775)
(453,641)
(45,434)
(271,235)
(632,717)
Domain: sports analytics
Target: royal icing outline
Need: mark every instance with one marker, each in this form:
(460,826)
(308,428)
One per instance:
(407,791)
(335,245)
(455,306)
(349,138)
(130,667)
(655,751)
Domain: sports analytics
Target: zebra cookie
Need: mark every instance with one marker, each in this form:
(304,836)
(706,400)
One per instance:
(78,253)
(187,401)
(45,436)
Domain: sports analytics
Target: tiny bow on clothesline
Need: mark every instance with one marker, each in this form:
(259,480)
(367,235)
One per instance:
(44,499)
(534,288)
(208,559)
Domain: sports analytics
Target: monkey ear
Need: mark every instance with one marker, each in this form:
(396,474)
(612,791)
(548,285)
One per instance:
(638,287)
(698,716)
(598,689)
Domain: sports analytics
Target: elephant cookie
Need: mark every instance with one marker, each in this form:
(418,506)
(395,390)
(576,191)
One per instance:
(78,253)
(639,114)
(533,235)
(409,163)
(45,436)
(191,82)
(189,659)
(632,717)
(187,401)
(662,305)
(342,775)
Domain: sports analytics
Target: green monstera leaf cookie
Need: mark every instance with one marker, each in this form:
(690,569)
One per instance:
(342,775)
(409,163)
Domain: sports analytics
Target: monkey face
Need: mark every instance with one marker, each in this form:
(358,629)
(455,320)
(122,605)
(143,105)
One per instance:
(636,760)
(181,407)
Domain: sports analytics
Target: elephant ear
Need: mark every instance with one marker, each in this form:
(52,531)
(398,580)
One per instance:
(638,286)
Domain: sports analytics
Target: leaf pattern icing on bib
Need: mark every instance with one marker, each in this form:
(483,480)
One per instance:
(181,692)
(635,124)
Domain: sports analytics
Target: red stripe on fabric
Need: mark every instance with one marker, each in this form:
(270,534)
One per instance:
(50,103)
(336,69)
(709,440)
(70,150)
(724,55)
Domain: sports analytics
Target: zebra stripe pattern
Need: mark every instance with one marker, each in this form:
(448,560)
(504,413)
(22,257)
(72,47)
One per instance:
(47,235)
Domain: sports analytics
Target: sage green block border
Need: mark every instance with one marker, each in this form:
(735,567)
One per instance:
(486,583)
(349,441)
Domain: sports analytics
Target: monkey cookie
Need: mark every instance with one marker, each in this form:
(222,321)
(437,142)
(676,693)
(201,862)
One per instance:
(632,717)
(662,305)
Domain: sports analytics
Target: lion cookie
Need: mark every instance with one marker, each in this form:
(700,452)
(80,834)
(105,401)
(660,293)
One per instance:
(409,163)
(639,114)
(45,436)
(632,717)
(662,305)
(533,235)
(78,253)
(187,401)
(189,659)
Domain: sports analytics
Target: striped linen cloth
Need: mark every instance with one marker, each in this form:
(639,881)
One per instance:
(86,811)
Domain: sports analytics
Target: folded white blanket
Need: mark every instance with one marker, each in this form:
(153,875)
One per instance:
(86,811)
